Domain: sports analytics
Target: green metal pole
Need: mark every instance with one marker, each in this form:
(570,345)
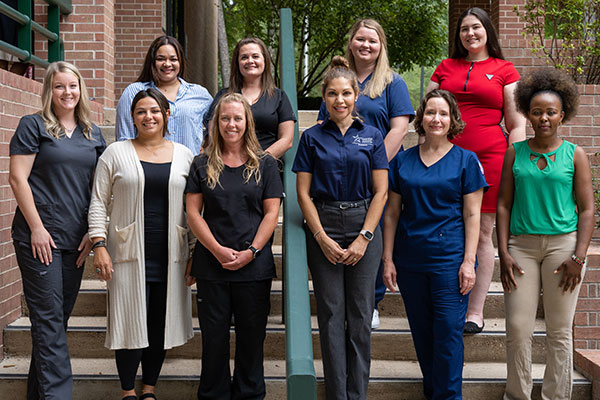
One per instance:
(54,53)
(25,38)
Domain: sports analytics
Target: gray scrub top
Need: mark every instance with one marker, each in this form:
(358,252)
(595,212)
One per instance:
(60,179)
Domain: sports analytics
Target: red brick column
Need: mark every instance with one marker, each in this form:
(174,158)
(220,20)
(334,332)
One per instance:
(137,24)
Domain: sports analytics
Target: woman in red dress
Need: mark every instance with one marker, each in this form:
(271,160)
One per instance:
(483,83)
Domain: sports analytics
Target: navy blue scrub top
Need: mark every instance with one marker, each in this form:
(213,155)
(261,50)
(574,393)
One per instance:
(431,229)
(60,179)
(341,166)
(393,102)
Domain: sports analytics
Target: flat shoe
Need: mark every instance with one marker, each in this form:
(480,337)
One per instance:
(472,328)
(147,396)
(129,398)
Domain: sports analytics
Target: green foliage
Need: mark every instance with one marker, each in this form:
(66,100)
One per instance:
(565,33)
(417,31)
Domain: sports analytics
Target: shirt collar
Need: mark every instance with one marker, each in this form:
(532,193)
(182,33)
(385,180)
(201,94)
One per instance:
(331,126)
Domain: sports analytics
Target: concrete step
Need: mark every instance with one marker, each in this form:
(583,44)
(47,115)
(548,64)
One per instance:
(392,341)
(97,379)
(92,301)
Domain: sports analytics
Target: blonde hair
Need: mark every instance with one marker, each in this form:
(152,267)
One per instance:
(383,74)
(214,163)
(82,109)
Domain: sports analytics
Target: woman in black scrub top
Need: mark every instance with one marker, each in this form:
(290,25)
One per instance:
(251,76)
(53,154)
(232,202)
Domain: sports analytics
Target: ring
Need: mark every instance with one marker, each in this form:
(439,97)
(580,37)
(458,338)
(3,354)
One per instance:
(98,270)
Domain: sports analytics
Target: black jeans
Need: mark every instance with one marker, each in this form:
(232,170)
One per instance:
(50,292)
(250,303)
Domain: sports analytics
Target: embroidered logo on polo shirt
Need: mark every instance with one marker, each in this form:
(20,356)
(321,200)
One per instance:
(489,76)
(362,141)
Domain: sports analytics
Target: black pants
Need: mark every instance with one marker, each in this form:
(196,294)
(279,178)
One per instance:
(153,356)
(250,303)
(50,292)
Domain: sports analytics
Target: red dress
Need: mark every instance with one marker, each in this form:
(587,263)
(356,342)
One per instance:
(479,89)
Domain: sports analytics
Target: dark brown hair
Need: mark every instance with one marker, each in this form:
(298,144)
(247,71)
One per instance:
(161,100)
(493,45)
(149,72)
(236,80)
(456,124)
(339,68)
(547,80)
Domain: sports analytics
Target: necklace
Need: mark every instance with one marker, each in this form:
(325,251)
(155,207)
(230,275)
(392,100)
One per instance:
(69,131)
(152,149)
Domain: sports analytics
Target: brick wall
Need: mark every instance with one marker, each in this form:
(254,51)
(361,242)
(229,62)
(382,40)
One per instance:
(18,97)
(137,24)
(89,44)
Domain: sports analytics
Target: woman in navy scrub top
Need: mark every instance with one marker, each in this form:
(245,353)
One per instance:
(383,101)
(53,155)
(342,189)
(430,239)
(251,76)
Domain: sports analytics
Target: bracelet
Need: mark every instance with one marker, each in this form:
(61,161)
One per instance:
(578,260)
(317,234)
(99,243)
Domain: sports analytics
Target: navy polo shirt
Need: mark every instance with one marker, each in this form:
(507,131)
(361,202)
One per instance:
(393,102)
(341,165)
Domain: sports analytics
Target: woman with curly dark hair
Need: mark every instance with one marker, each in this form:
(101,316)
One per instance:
(433,206)
(544,224)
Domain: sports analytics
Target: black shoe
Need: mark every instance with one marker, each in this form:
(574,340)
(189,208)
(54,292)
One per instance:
(472,328)
(147,396)
(129,398)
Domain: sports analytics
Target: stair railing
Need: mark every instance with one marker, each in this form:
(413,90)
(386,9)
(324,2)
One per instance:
(24,50)
(300,370)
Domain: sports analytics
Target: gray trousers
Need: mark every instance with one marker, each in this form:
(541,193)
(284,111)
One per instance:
(345,303)
(50,292)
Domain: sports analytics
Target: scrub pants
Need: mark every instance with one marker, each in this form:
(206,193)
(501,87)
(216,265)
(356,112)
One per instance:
(50,292)
(344,297)
(539,256)
(436,313)
(250,303)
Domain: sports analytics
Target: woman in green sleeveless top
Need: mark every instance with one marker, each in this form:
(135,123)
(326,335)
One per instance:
(544,225)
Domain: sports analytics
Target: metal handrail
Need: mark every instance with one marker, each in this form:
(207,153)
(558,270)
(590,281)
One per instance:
(300,370)
(55,43)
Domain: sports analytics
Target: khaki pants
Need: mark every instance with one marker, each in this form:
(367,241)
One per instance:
(539,256)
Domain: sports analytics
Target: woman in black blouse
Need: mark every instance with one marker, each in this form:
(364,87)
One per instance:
(251,76)
(232,202)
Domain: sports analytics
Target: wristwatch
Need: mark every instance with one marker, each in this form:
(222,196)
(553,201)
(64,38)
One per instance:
(254,250)
(99,243)
(367,234)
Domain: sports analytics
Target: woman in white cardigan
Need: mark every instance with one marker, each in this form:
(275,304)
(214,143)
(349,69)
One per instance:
(143,250)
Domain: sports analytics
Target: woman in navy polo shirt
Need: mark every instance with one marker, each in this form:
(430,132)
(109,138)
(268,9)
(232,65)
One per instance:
(430,238)
(342,189)
(383,101)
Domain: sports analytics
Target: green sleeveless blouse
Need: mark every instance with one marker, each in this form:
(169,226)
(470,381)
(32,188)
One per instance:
(544,200)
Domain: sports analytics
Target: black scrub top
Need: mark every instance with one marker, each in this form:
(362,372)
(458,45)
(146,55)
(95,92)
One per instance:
(268,113)
(233,211)
(60,179)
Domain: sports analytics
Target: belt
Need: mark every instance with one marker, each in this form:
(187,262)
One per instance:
(343,205)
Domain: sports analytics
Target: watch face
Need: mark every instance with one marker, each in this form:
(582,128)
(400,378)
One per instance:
(368,235)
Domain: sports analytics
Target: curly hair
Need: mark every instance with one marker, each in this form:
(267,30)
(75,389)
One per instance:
(547,80)
(456,124)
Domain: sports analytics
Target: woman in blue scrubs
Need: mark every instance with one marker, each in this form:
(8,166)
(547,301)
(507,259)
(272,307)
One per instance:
(342,189)
(431,228)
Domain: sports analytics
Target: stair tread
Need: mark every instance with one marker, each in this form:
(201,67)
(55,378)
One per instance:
(388,325)
(275,369)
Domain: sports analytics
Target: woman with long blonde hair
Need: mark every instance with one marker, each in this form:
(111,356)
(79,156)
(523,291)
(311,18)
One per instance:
(232,202)
(53,154)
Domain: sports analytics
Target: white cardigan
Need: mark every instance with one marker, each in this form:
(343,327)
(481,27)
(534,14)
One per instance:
(118,193)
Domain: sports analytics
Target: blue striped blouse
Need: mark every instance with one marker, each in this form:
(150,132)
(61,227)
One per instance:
(185,121)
